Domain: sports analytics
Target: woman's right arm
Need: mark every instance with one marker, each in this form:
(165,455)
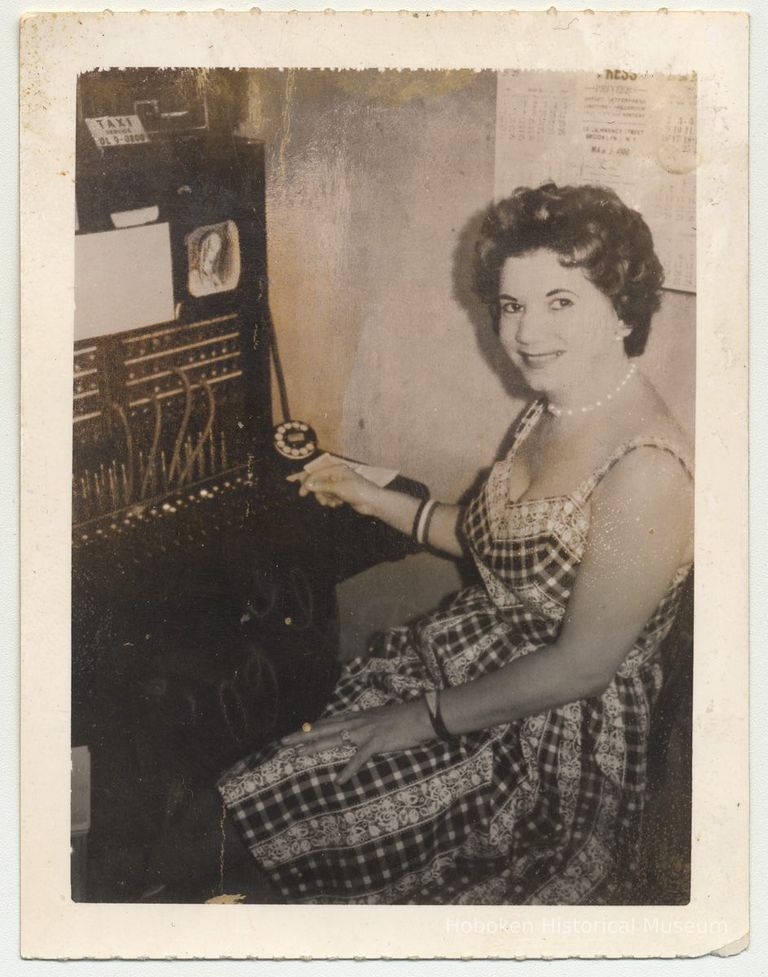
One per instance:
(336,484)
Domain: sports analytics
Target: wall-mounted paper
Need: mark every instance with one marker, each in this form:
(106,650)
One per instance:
(632,132)
(135,218)
(123,280)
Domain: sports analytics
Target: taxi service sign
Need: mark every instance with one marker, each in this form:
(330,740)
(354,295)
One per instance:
(117,130)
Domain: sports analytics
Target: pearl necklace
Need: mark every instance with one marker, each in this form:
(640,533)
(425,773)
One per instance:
(570,411)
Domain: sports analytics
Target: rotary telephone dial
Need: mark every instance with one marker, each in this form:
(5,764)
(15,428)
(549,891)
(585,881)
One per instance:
(295,441)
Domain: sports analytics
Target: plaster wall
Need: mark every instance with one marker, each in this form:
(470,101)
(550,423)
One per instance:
(375,182)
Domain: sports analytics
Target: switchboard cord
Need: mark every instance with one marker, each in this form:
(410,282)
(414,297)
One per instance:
(176,456)
(282,389)
(128,450)
(155,445)
(204,435)
(259,682)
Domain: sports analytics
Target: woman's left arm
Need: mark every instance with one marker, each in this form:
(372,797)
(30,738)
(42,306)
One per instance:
(640,532)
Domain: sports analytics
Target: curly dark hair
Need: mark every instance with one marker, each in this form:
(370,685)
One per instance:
(588,227)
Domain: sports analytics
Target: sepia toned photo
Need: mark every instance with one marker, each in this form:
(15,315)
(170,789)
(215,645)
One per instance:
(518,743)
(383,549)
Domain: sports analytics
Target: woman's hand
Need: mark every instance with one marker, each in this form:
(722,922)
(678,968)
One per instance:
(369,732)
(336,483)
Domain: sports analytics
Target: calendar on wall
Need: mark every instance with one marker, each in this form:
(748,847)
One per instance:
(631,132)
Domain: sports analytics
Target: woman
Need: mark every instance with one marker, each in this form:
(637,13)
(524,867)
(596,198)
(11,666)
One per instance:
(494,751)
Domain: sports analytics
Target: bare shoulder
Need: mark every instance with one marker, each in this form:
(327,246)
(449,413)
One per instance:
(648,491)
(660,449)
(643,416)
(651,472)
(656,421)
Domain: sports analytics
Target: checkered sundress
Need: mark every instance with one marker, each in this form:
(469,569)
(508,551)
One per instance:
(541,810)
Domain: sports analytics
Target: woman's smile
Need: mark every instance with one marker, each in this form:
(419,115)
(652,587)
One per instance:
(537,361)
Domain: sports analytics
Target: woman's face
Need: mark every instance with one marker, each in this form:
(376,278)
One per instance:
(555,325)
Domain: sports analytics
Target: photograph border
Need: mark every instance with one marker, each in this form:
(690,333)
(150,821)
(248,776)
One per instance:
(55,46)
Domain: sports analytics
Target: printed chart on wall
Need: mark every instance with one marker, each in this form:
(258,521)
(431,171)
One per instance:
(631,132)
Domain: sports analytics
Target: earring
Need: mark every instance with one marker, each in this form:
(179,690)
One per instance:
(620,336)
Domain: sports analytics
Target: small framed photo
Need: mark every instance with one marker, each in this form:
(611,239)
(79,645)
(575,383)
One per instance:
(213,254)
